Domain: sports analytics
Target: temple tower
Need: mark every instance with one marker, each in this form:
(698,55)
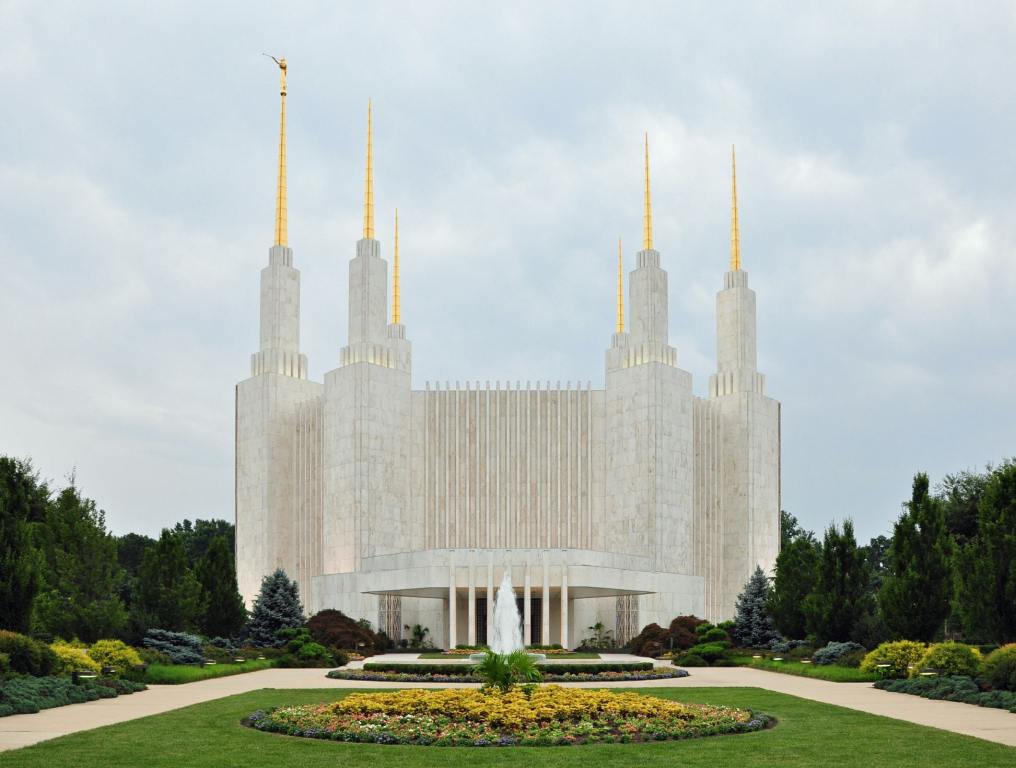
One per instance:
(267,532)
(742,450)
(367,407)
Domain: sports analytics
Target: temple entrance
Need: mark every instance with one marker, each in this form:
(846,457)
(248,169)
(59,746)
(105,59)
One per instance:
(535,605)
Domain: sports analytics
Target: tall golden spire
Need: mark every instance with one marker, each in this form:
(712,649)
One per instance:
(620,288)
(647,216)
(396,299)
(281,214)
(735,227)
(368,188)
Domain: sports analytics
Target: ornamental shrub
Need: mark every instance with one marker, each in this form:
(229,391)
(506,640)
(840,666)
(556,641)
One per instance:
(714,635)
(72,658)
(302,651)
(900,655)
(116,654)
(334,629)
(834,652)
(27,656)
(27,695)
(710,652)
(1000,667)
(180,647)
(956,688)
(950,659)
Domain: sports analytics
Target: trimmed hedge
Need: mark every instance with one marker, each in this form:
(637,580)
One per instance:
(468,669)
(954,688)
(27,695)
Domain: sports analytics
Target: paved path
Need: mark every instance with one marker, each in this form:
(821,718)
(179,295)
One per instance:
(990,724)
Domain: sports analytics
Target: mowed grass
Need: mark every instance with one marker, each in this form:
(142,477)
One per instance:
(172,674)
(830,672)
(808,734)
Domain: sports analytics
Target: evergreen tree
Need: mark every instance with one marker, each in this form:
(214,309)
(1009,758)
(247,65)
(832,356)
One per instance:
(796,571)
(961,494)
(914,599)
(276,607)
(222,606)
(753,628)
(840,597)
(80,575)
(168,596)
(986,566)
(198,536)
(23,500)
(790,530)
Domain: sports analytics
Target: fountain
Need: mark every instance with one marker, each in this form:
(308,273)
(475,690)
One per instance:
(507,624)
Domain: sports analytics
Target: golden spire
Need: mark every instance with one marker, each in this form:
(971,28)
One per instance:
(396,299)
(368,189)
(647,216)
(281,215)
(735,227)
(620,288)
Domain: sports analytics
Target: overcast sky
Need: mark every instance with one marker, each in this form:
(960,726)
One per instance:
(877,185)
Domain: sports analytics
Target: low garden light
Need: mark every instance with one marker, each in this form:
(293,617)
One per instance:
(806,661)
(82,674)
(757,656)
(261,658)
(239,660)
(777,658)
(208,663)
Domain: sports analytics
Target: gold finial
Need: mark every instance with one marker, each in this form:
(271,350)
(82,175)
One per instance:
(281,214)
(735,227)
(620,288)
(396,300)
(368,189)
(647,217)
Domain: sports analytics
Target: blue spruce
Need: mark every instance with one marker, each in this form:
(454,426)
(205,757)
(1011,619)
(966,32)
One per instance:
(276,607)
(753,627)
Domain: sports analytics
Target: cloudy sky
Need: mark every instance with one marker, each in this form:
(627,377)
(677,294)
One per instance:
(878,201)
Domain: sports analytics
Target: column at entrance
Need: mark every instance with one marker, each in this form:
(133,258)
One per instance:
(564,607)
(527,611)
(452,607)
(545,621)
(472,606)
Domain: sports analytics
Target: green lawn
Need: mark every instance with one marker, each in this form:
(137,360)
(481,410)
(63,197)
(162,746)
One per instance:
(550,656)
(829,672)
(171,674)
(808,734)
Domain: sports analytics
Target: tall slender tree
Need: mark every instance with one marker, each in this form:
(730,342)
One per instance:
(915,595)
(168,594)
(753,626)
(840,597)
(986,566)
(223,614)
(23,500)
(796,571)
(80,574)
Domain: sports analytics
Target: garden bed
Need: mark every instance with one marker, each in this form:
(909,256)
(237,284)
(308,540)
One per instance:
(830,672)
(536,716)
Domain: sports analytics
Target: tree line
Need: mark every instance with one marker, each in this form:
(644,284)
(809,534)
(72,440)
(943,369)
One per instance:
(948,570)
(63,574)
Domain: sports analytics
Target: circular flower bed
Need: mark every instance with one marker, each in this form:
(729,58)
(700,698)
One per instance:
(526,716)
(388,676)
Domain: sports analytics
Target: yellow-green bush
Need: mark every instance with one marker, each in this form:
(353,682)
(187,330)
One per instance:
(900,655)
(950,659)
(1000,667)
(72,658)
(114,653)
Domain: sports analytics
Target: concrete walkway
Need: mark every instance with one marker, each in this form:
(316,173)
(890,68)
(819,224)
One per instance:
(990,724)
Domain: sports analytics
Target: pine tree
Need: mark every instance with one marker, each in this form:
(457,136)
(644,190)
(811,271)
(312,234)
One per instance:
(796,571)
(753,628)
(276,607)
(168,594)
(222,606)
(840,597)
(986,567)
(80,574)
(23,500)
(914,599)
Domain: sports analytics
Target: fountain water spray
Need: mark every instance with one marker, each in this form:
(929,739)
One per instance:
(507,622)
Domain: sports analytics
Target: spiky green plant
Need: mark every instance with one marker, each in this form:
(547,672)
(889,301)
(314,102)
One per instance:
(505,670)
